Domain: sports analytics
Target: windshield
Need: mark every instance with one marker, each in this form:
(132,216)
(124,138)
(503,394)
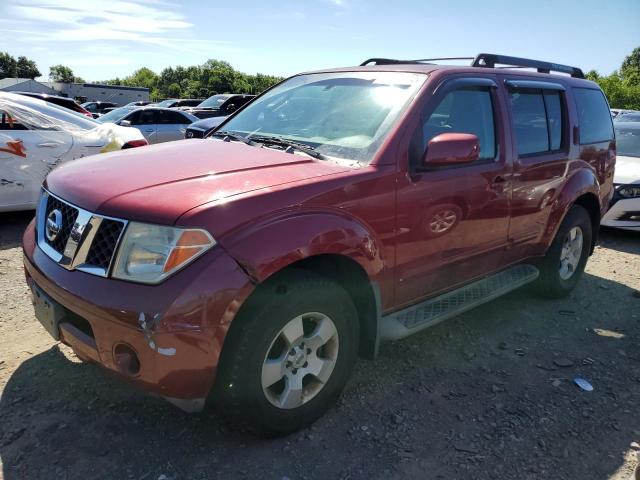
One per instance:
(116,115)
(345,115)
(166,103)
(628,142)
(214,102)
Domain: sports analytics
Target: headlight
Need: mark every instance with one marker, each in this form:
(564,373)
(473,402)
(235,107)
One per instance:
(629,191)
(150,253)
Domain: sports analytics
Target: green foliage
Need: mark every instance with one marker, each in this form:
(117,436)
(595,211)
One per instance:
(61,73)
(196,81)
(20,68)
(622,88)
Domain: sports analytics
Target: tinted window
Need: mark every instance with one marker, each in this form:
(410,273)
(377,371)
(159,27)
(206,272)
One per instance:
(142,117)
(537,120)
(593,115)
(465,111)
(553,106)
(171,118)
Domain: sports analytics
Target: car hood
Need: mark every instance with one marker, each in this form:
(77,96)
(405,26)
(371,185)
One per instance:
(207,123)
(627,170)
(159,183)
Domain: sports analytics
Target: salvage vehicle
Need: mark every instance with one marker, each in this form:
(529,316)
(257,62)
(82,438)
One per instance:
(36,136)
(65,102)
(339,209)
(202,128)
(156,124)
(219,105)
(624,211)
(97,108)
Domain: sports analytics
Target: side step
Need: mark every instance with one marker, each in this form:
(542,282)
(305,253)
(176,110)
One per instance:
(418,317)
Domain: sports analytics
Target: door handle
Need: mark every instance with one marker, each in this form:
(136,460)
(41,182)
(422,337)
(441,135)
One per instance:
(49,144)
(150,131)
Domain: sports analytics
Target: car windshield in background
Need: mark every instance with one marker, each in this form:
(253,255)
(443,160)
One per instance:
(345,115)
(628,141)
(628,117)
(166,103)
(214,102)
(115,115)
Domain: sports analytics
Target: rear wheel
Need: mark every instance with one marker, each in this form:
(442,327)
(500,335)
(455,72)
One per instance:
(290,354)
(567,256)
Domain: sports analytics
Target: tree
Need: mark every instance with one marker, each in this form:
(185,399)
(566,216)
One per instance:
(27,68)
(622,87)
(631,62)
(61,73)
(8,66)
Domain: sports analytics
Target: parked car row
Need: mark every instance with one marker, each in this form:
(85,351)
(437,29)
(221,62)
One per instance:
(156,124)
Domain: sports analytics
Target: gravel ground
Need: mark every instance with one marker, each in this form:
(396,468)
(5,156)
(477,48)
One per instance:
(487,395)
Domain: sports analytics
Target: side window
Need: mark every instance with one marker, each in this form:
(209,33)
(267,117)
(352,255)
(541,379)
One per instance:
(145,117)
(537,120)
(467,110)
(594,117)
(7,122)
(172,118)
(92,107)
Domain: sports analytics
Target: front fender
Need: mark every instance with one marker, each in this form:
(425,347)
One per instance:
(580,182)
(280,241)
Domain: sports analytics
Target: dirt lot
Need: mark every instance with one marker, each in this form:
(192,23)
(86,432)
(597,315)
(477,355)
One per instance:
(487,395)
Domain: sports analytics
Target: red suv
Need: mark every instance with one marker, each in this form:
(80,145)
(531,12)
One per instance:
(339,209)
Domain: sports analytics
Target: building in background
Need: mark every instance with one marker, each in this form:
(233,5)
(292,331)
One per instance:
(82,92)
(25,85)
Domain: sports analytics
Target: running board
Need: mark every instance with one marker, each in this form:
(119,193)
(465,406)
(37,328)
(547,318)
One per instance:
(418,317)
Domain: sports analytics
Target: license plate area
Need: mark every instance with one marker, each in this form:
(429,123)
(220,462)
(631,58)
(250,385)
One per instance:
(48,311)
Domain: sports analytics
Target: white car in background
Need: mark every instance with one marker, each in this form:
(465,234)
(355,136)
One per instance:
(36,136)
(625,207)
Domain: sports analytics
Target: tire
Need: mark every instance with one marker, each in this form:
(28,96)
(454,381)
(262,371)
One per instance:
(264,342)
(556,279)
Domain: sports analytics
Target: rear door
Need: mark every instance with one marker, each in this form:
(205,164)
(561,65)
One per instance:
(146,122)
(453,221)
(540,132)
(172,125)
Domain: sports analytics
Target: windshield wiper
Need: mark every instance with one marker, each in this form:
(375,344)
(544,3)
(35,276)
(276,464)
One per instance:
(289,144)
(232,136)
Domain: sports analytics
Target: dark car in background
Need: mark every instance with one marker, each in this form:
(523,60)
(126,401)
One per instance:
(204,127)
(221,105)
(178,102)
(65,102)
(98,108)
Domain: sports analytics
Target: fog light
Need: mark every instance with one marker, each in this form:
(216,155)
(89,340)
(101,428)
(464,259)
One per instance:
(126,360)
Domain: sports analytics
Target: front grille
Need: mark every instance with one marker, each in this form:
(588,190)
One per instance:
(69,216)
(85,241)
(104,243)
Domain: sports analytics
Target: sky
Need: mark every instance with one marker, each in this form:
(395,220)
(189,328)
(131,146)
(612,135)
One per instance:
(101,40)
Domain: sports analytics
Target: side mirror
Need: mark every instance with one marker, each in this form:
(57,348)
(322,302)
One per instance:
(451,149)
(124,123)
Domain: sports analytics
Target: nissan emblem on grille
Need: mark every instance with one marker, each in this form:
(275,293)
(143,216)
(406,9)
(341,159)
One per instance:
(54,224)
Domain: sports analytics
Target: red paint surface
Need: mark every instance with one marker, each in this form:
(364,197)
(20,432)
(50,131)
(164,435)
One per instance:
(15,147)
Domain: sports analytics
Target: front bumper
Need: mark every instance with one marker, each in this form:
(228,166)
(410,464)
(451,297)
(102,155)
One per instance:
(187,318)
(624,213)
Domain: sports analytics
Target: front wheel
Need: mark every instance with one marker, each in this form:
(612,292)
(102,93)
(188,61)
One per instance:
(290,354)
(567,256)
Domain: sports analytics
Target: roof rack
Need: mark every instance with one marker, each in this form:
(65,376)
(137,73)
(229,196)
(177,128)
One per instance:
(488,60)
(391,61)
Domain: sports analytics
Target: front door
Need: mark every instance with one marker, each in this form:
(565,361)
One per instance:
(171,125)
(145,121)
(453,222)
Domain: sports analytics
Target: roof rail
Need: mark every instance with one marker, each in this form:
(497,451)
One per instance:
(391,61)
(489,60)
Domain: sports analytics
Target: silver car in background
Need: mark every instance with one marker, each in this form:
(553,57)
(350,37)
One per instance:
(156,124)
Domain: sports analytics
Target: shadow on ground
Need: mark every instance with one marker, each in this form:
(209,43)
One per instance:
(13,225)
(481,396)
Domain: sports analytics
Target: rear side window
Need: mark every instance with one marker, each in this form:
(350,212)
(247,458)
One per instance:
(594,116)
(171,118)
(467,110)
(537,120)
